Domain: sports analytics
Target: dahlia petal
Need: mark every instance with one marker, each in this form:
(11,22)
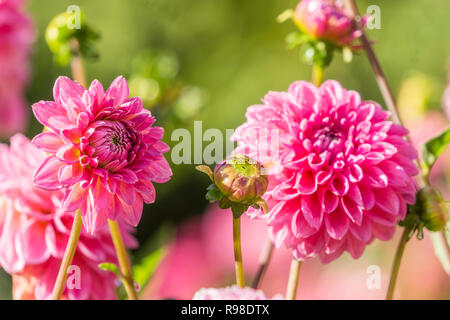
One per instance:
(355,247)
(329,201)
(336,223)
(312,210)
(306,183)
(383,232)
(117,93)
(68,154)
(126,193)
(48,142)
(99,196)
(56,242)
(375,177)
(11,260)
(300,227)
(35,252)
(46,176)
(387,200)
(132,214)
(339,185)
(75,198)
(368,198)
(284,192)
(352,210)
(362,232)
(70,174)
(50,114)
(65,88)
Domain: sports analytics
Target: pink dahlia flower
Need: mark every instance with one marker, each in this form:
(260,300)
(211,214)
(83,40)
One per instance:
(34,231)
(232,293)
(340,173)
(16,39)
(327,20)
(103,151)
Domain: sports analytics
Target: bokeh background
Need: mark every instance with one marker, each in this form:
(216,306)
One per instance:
(230,53)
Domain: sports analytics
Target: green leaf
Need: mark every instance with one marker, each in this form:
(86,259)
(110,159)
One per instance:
(285,15)
(295,39)
(206,170)
(238,209)
(213,193)
(144,271)
(108,266)
(433,149)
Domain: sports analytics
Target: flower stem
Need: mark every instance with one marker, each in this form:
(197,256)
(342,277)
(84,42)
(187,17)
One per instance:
(294,275)
(124,262)
(264,260)
(382,82)
(396,264)
(76,63)
(317,74)
(71,247)
(237,252)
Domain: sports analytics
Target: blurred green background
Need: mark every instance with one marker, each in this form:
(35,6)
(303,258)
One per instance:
(235,51)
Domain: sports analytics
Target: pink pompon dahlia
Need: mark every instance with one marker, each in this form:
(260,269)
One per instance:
(340,173)
(327,20)
(103,151)
(16,38)
(34,231)
(232,293)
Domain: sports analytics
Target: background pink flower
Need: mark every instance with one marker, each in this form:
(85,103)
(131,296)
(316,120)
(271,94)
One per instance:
(16,38)
(103,151)
(231,293)
(204,249)
(326,20)
(34,231)
(340,174)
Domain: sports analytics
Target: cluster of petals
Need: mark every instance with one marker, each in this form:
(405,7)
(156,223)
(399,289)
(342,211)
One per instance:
(16,38)
(103,151)
(232,293)
(327,20)
(34,231)
(340,173)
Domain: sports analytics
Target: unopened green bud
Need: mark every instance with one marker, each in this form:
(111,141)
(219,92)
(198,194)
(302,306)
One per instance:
(240,179)
(66,27)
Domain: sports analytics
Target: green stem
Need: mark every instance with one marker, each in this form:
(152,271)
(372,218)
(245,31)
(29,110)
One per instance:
(76,63)
(317,74)
(71,247)
(238,252)
(124,261)
(396,264)
(264,259)
(294,275)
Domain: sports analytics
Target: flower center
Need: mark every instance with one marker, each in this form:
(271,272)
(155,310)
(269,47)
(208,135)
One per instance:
(112,142)
(328,139)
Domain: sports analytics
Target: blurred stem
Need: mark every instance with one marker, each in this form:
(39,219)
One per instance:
(264,260)
(317,74)
(76,63)
(71,247)
(238,252)
(124,261)
(396,264)
(381,79)
(294,275)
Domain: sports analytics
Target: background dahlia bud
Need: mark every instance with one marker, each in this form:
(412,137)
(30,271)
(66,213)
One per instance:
(326,20)
(431,208)
(67,26)
(240,179)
